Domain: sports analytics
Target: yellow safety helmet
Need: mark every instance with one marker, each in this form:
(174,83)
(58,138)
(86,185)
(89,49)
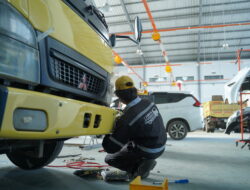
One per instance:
(123,83)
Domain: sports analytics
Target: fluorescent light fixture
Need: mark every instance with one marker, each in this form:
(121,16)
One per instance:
(225,46)
(139,52)
(106,7)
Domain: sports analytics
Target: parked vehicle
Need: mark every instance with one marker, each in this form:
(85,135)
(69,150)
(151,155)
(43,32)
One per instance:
(239,83)
(216,113)
(233,123)
(181,112)
(233,88)
(55,68)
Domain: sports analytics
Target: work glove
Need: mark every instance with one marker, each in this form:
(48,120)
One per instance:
(116,122)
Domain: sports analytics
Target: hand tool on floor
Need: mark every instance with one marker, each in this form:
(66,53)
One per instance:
(136,184)
(89,172)
(115,175)
(173,181)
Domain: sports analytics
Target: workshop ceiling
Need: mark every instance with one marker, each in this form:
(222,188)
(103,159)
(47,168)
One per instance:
(177,21)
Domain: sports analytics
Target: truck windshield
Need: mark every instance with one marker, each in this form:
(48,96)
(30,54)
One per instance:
(90,14)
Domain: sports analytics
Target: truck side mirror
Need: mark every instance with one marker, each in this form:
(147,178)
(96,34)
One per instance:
(138,29)
(112,40)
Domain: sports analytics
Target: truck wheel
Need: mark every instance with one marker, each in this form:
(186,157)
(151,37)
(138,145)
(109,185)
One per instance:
(27,158)
(206,125)
(212,130)
(177,129)
(209,126)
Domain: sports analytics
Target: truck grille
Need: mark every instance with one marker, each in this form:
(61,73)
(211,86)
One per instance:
(75,77)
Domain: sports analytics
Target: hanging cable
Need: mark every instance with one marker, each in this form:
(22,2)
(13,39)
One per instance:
(156,37)
(128,66)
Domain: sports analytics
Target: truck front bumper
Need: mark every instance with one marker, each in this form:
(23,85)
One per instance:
(27,114)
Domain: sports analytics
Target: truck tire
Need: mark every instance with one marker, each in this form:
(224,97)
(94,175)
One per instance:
(211,130)
(26,159)
(177,129)
(209,125)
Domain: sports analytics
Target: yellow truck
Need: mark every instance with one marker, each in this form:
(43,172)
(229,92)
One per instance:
(216,113)
(55,68)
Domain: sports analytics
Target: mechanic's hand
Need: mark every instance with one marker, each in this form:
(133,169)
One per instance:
(116,125)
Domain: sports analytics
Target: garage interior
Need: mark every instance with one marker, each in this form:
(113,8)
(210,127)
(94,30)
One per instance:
(208,161)
(194,47)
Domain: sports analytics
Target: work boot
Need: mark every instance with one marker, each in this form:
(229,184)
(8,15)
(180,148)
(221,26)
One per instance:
(145,167)
(115,175)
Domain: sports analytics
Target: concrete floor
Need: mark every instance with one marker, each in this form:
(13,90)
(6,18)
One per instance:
(210,161)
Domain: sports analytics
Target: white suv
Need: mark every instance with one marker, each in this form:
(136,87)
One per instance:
(180,111)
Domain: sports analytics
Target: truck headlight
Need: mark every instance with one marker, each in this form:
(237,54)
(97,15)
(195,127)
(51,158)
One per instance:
(19,58)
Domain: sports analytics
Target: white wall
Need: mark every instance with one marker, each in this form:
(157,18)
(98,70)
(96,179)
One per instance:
(208,88)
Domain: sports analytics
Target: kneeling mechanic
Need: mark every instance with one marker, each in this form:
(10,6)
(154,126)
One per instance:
(138,137)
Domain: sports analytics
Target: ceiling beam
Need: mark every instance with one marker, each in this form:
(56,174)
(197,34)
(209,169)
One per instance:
(184,42)
(218,25)
(187,58)
(130,3)
(189,48)
(231,53)
(186,16)
(167,35)
(177,8)
(184,60)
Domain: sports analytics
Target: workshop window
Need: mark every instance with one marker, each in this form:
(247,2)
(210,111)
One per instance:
(185,78)
(210,77)
(153,79)
(157,79)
